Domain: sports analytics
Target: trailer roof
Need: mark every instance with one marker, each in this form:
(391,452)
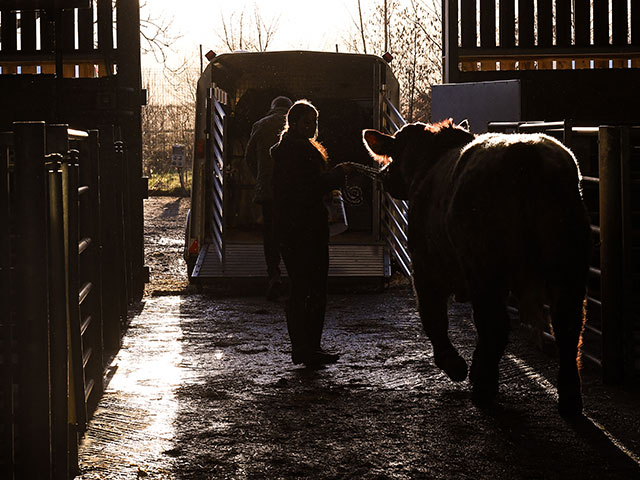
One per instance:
(300,74)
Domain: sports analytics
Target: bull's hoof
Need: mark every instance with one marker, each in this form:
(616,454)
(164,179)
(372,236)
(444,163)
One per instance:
(570,406)
(453,365)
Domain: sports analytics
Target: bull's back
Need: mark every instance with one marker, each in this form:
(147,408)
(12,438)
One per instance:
(516,209)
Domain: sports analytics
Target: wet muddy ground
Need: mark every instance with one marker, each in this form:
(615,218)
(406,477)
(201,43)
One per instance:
(203,388)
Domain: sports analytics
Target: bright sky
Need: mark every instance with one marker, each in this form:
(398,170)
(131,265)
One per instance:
(303,24)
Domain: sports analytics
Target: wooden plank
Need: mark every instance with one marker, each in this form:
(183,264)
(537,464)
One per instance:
(620,63)
(488,24)
(563,24)
(619,20)
(600,22)
(105,24)
(28,31)
(48,68)
(600,63)
(468,24)
(564,65)
(582,64)
(68,31)
(545,64)
(635,23)
(87,70)
(582,22)
(507,24)
(525,23)
(69,70)
(85,30)
(488,66)
(507,65)
(545,23)
(8,34)
(46,34)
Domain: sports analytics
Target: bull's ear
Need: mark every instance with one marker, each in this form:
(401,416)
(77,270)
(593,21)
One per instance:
(378,144)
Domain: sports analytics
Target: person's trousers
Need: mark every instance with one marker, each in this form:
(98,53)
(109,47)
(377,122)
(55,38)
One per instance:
(270,243)
(307,263)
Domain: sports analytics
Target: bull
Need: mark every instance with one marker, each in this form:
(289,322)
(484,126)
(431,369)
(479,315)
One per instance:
(489,217)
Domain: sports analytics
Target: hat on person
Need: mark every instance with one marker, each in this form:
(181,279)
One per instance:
(281,102)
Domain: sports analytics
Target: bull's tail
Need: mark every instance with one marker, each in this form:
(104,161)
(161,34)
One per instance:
(532,309)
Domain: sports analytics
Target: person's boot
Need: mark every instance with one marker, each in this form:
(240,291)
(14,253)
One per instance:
(274,288)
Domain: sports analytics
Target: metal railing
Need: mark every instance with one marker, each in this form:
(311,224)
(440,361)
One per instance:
(608,189)
(52,330)
(214,160)
(394,212)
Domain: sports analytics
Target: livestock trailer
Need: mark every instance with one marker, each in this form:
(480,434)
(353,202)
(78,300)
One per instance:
(223,240)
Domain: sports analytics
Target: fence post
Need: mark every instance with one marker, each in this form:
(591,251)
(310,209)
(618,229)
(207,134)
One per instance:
(32,322)
(612,282)
(113,277)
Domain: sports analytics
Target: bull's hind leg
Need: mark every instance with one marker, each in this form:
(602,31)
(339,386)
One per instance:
(433,314)
(492,325)
(567,316)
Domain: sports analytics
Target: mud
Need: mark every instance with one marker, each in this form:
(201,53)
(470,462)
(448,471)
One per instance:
(203,388)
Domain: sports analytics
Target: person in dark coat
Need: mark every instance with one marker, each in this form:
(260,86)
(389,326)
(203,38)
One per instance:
(301,180)
(264,134)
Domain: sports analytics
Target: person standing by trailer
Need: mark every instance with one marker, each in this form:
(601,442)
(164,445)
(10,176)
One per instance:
(301,180)
(264,134)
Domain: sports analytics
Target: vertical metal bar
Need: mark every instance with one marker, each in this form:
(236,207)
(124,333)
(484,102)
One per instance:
(91,212)
(119,226)
(563,24)
(108,191)
(58,319)
(450,40)
(70,202)
(626,252)
(610,258)
(57,143)
(34,409)
(6,323)
(379,107)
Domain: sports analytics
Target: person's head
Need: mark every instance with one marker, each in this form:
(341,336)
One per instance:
(281,102)
(302,120)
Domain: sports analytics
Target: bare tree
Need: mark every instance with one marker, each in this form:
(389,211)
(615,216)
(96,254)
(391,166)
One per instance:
(157,34)
(264,30)
(412,35)
(240,32)
(362,33)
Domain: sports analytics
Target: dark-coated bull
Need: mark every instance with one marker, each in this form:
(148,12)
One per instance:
(489,216)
